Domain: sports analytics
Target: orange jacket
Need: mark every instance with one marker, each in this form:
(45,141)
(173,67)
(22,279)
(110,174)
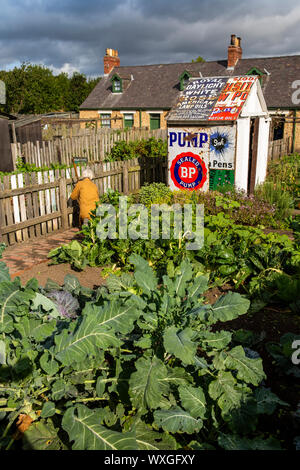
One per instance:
(86,192)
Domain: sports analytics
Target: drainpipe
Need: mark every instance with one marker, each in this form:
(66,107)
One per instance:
(294,131)
(140,118)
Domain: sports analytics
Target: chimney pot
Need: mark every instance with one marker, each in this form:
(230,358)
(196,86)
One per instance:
(235,52)
(111,60)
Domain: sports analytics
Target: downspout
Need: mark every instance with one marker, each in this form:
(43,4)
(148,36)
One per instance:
(140,119)
(294,131)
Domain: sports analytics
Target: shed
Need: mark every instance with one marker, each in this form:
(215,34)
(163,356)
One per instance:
(6,162)
(218,133)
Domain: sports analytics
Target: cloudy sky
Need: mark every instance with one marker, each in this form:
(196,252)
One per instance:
(69,35)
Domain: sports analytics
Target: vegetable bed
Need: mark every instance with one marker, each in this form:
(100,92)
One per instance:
(141,363)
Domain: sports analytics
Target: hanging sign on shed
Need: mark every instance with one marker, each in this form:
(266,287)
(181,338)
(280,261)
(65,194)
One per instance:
(212,99)
(232,99)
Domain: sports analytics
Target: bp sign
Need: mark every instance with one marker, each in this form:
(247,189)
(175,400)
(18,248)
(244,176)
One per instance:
(188,171)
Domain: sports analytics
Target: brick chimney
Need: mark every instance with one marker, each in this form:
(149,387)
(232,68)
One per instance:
(235,52)
(111,60)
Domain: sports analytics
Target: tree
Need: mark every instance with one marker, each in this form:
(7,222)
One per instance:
(199,59)
(34,89)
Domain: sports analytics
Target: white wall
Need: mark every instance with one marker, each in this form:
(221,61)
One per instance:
(242,153)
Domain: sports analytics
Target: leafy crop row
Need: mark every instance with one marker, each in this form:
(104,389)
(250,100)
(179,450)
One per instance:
(134,365)
(262,264)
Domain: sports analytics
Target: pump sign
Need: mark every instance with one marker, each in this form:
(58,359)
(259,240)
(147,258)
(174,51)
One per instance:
(194,151)
(188,171)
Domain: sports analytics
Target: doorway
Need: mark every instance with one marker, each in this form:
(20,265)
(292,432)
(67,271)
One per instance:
(253,147)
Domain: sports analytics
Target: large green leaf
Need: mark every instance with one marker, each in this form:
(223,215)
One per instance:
(86,339)
(47,305)
(181,281)
(119,317)
(36,329)
(267,401)
(119,283)
(217,340)
(148,385)
(228,307)
(41,435)
(82,426)
(199,286)
(176,420)
(13,301)
(249,370)
(144,275)
(71,283)
(49,364)
(224,390)
(147,439)
(193,400)
(181,344)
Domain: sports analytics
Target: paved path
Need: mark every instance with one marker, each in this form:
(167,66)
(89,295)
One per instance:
(23,256)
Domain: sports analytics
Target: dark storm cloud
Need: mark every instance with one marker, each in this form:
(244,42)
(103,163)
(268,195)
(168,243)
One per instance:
(73,34)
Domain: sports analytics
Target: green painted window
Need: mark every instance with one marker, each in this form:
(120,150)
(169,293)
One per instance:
(256,71)
(116,84)
(128,120)
(184,80)
(105,120)
(154,121)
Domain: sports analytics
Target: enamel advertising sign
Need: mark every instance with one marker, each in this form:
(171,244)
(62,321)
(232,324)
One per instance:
(188,171)
(231,100)
(193,151)
(188,158)
(212,99)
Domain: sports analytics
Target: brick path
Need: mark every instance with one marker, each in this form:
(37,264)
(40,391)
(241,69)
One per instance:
(23,256)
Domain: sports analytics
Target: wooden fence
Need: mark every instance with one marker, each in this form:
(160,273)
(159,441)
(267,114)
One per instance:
(94,147)
(35,204)
(279,148)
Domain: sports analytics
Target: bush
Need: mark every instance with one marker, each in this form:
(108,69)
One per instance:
(285,172)
(155,193)
(275,194)
(142,148)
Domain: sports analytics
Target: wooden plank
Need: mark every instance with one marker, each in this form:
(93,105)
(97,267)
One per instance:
(29,206)
(8,210)
(53,199)
(16,207)
(48,202)
(35,200)
(63,203)
(42,202)
(3,237)
(31,223)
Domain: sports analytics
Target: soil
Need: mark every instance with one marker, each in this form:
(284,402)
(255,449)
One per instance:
(90,277)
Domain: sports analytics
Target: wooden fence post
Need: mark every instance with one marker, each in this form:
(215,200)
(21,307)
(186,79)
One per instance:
(125,178)
(63,203)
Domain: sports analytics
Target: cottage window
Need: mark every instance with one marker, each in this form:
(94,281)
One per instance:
(184,80)
(117,85)
(128,120)
(105,120)
(256,71)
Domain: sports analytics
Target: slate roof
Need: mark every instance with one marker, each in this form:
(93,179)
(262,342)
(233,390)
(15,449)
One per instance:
(158,87)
